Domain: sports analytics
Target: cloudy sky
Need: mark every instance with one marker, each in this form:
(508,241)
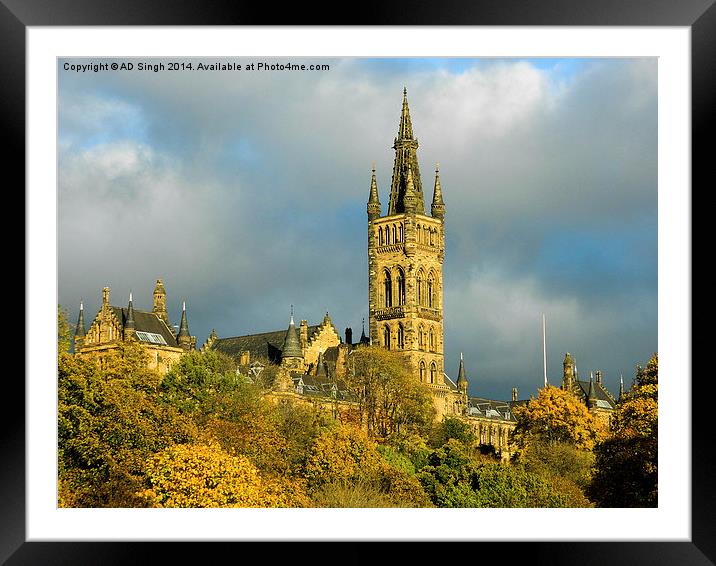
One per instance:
(245,192)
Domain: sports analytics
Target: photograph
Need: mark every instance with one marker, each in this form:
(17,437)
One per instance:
(357,282)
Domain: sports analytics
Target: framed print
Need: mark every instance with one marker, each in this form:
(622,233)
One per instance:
(207,190)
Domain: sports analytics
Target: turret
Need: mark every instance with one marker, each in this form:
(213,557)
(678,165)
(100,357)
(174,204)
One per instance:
(160,301)
(514,393)
(462,382)
(438,206)
(568,373)
(621,386)
(80,331)
(291,353)
(130,324)
(591,395)
(184,338)
(373,200)
(320,367)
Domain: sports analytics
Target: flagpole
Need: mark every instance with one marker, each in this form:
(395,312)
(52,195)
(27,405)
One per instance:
(544,348)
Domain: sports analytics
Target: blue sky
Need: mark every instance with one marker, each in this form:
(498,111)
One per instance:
(245,192)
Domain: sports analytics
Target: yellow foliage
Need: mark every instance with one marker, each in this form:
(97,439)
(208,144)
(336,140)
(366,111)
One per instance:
(559,416)
(193,475)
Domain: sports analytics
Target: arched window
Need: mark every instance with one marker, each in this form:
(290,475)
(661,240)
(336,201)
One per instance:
(420,287)
(433,373)
(400,279)
(431,292)
(421,337)
(387,235)
(381,241)
(401,336)
(395,234)
(422,372)
(420,234)
(386,336)
(432,237)
(387,289)
(425,235)
(402,236)
(431,340)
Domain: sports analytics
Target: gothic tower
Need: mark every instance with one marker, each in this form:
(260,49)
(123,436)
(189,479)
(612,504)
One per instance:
(406,249)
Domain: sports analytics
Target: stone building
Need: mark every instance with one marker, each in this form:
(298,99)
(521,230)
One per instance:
(592,393)
(114,325)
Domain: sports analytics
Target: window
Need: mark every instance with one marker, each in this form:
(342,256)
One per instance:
(431,292)
(380,237)
(421,337)
(387,289)
(401,336)
(431,340)
(420,291)
(422,372)
(150,337)
(386,336)
(433,373)
(401,287)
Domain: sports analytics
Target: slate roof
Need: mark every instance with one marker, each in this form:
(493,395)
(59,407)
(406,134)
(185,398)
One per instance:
(266,345)
(450,383)
(314,386)
(604,399)
(147,322)
(489,408)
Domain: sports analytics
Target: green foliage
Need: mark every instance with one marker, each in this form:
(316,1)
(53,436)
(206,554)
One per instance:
(412,446)
(108,423)
(397,460)
(453,479)
(64,333)
(626,472)
(452,428)
(390,399)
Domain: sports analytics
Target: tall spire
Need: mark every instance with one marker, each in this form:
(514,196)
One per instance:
(405,128)
(405,146)
(461,377)
(438,206)
(373,200)
(621,386)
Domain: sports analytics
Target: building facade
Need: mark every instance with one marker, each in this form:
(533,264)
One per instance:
(115,325)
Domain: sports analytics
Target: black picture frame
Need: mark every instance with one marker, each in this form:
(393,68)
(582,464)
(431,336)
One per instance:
(16,15)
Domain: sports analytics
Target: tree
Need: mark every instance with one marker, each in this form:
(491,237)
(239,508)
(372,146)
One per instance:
(109,422)
(64,333)
(453,479)
(389,397)
(198,475)
(451,427)
(626,462)
(556,416)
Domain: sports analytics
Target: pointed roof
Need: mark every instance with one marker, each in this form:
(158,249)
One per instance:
(405,128)
(591,395)
(461,377)
(373,197)
(363,337)
(405,146)
(130,322)
(409,198)
(184,324)
(291,343)
(80,331)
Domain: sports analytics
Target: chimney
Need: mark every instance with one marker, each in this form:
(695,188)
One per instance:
(349,335)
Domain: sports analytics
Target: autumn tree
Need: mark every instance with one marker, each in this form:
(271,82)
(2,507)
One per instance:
(203,475)
(626,462)
(389,397)
(64,332)
(109,422)
(556,416)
